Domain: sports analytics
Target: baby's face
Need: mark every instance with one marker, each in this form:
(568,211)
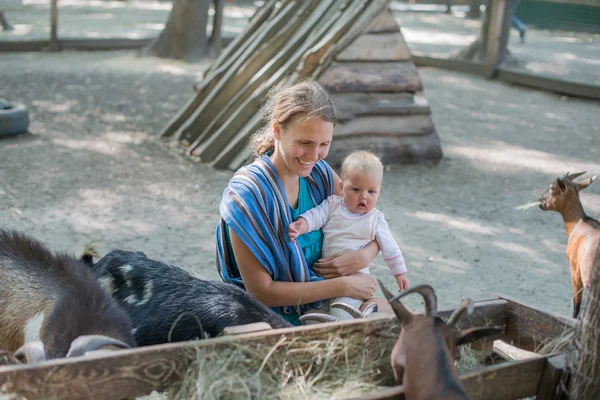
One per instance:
(361,191)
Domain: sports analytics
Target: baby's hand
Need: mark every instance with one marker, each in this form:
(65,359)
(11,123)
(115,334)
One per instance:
(297,228)
(402,282)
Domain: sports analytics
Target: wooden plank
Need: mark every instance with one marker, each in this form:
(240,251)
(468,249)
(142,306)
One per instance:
(376,47)
(372,77)
(135,372)
(528,327)
(507,381)
(549,83)
(385,125)
(383,23)
(512,353)
(549,387)
(470,67)
(352,105)
(246,328)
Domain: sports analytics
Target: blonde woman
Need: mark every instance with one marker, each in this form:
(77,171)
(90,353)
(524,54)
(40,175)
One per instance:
(288,178)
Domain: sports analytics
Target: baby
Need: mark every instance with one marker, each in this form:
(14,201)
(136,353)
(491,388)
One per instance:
(350,222)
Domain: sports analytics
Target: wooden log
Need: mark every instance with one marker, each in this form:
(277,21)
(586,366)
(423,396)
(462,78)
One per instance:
(352,105)
(223,63)
(372,77)
(355,29)
(550,383)
(224,113)
(406,149)
(385,125)
(507,381)
(376,47)
(346,16)
(244,104)
(383,23)
(240,71)
(528,327)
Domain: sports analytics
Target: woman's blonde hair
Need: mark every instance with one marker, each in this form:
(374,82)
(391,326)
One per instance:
(362,161)
(302,101)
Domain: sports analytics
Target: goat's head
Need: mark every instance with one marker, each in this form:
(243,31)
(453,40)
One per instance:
(562,191)
(421,329)
(33,352)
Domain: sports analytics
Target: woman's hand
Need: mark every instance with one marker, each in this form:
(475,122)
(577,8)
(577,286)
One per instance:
(346,263)
(360,286)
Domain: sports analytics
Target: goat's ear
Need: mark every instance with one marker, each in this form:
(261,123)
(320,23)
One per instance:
(586,182)
(561,185)
(473,334)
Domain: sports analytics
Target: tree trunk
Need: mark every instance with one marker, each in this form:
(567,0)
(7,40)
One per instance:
(184,36)
(586,370)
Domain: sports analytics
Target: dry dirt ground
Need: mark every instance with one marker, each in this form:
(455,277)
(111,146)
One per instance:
(94,167)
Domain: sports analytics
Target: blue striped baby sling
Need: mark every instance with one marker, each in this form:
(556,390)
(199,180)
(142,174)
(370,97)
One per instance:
(254,205)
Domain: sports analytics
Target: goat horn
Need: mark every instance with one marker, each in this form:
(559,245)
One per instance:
(465,305)
(86,343)
(402,313)
(318,317)
(428,294)
(577,175)
(33,352)
(356,313)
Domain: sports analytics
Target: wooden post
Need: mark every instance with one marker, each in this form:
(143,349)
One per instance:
(54,46)
(497,37)
(550,388)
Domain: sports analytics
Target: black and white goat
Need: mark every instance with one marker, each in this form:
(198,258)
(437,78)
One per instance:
(167,304)
(52,306)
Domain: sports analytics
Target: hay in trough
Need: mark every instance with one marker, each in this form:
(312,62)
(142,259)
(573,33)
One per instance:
(295,368)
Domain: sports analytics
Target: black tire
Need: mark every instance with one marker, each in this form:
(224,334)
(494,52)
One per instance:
(14,118)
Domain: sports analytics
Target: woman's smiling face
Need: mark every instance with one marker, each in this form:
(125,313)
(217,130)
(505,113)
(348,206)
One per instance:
(301,144)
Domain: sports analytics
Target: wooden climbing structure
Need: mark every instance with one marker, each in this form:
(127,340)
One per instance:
(353,47)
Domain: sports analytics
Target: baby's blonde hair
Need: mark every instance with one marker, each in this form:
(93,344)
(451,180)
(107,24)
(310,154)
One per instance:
(362,161)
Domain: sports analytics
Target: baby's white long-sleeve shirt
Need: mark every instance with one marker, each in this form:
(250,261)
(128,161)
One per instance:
(344,230)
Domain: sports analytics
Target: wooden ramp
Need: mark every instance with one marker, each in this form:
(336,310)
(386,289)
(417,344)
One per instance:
(353,47)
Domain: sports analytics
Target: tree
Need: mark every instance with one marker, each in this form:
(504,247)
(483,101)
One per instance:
(184,36)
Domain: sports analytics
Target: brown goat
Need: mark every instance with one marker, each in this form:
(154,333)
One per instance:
(423,357)
(51,305)
(583,232)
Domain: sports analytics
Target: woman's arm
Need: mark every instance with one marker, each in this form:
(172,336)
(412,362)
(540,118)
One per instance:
(348,262)
(259,283)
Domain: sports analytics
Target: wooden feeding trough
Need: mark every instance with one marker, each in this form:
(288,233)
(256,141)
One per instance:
(353,47)
(128,373)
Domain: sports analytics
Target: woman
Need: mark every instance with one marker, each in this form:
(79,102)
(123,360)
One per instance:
(288,178)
